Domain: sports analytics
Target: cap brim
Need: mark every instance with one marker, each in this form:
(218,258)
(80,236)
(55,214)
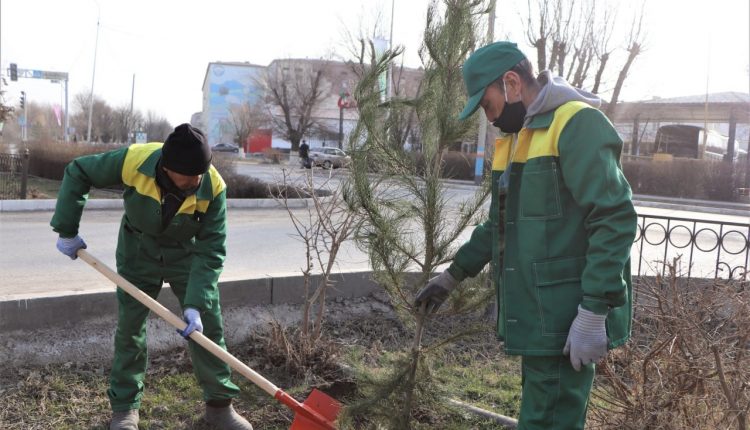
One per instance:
(472,105)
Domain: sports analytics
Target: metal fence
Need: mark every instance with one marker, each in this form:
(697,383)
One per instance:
(706,249)
(14,175)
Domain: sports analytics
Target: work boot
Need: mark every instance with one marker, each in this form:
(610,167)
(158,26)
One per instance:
(124,420)
(226,418)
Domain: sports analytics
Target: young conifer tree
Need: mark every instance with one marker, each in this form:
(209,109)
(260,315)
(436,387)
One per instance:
(408,222)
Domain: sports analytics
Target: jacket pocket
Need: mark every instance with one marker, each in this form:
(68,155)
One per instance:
(183,227)
(558,290)
(540,191)
(128,245)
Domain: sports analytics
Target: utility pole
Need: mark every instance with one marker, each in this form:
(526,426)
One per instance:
(482,135)
(93,75)
(747,154)
(130,116)
(389,83)
(66,122)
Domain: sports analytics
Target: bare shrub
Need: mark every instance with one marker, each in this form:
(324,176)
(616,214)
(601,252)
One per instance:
(322,228)
(314,361)
(687,366)
(47,158)
(684,178)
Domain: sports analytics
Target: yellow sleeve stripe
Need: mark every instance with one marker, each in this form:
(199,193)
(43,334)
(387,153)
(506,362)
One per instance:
(145,185)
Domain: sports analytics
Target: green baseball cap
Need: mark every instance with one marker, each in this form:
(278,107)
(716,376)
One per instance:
(484,66)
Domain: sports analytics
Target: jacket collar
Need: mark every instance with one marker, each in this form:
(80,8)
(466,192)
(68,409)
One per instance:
(148,168)
(542,120)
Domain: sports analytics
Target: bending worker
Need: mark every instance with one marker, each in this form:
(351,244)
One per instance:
(559,233)
(174,231)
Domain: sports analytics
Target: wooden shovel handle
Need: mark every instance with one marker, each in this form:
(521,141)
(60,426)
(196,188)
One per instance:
(176,321)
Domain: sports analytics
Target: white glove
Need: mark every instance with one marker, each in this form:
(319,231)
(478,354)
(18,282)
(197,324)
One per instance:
(587,339)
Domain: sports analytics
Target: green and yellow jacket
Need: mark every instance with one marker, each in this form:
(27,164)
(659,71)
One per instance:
(190,249)
(562,234)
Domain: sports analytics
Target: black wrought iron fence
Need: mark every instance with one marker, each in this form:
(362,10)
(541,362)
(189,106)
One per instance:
(14,175)
(707,249)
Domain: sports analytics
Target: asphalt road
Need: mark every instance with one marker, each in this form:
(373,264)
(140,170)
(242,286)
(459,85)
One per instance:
(263,242)
(260,242)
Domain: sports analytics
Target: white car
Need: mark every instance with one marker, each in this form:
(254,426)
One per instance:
(329,157)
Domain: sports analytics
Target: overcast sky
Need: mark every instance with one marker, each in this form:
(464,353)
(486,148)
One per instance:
(168,44)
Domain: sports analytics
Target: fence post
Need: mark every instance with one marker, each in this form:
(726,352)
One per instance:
(24,172)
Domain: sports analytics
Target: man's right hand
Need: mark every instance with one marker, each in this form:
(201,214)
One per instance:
(70,246)
(434,294)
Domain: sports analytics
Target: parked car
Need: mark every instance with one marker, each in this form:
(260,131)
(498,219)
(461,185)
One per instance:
(225,147)
(329,158)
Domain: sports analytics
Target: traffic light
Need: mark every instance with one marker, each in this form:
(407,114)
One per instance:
(23,99)
(13,72)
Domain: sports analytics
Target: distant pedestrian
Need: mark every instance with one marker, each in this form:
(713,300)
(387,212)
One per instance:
(304,154)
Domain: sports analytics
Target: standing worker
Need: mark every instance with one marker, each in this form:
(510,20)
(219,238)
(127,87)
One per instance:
(559,233)
(174,231)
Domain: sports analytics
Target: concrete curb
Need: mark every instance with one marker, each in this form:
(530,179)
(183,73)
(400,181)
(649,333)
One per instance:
(31,205)
(733,209)
(37,313)
(47,330)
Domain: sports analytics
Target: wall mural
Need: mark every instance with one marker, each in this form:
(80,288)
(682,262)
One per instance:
(228,85)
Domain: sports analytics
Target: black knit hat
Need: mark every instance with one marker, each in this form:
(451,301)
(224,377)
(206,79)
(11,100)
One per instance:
(186,151)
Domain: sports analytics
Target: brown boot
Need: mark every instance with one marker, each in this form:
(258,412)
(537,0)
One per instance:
(226,418)
(124,420)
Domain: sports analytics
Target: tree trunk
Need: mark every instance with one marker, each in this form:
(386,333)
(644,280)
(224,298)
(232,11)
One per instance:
(541,53)
(578,76)
(553,56)
(598,79)
(634,50)
(561,59)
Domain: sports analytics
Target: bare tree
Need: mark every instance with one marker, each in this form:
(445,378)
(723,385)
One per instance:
(538,38)
(101,121)
(294,88)
(244,119)
(565,30)
(600,39)
(125,122)
(587,30)
(157,127)
(635,47)
(5,110)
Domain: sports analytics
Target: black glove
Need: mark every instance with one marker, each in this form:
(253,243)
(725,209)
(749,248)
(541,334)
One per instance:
(434,294)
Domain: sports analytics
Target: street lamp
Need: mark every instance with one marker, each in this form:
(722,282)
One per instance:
(93,73)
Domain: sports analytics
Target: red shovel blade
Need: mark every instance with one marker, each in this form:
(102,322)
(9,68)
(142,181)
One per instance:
(320,403)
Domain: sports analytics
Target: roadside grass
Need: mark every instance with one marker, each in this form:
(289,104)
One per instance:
(488,381)
(73,395)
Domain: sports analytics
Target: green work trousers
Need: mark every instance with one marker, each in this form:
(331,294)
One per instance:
(555,396)
(131,356)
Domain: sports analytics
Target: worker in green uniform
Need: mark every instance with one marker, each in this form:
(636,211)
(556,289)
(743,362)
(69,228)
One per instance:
(559,233)
(174,231)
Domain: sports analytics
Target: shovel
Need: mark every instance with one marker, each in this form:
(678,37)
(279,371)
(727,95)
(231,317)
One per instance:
(318,411)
